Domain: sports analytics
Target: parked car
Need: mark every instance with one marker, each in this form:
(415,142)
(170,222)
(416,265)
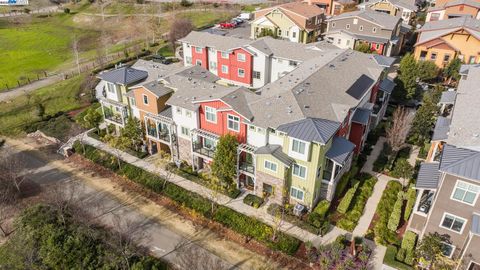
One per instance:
(227,25)
(238,20)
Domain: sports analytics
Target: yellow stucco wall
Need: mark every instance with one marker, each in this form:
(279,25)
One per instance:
(385,6)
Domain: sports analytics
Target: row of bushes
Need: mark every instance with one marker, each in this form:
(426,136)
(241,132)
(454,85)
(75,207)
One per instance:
(245,225)
(253,200)
(411,198)
(345,180)
(350,220)
(406,252)
(395,216)
(312,222)
(390,259)
(347,199)
(382,235)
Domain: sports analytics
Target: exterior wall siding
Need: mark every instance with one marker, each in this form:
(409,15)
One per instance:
(234,65)
(357,135)
(203,57)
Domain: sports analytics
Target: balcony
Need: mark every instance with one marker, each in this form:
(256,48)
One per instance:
(426,201)
(204,151)
(114,117)
(247,167)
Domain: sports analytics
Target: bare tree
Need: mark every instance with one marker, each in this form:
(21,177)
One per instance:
(398,131)
(11,169)
(214,193)
(179,29)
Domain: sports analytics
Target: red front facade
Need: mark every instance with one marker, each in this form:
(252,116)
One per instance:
(373,96)
(357,136)
(379,50)
(235,64)
(200,58)
(344,128)
(220,127)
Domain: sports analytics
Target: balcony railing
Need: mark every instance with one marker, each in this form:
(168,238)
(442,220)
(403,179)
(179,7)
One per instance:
(152,132)
(164,136)
(247,167)
(425,202)
(200,149)
(114,117)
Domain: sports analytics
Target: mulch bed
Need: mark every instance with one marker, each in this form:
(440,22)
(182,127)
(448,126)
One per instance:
(282,259)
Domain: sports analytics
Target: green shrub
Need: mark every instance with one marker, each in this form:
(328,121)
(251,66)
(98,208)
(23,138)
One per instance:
(242,224)
(396,213)
(409,257)
(411,198)
(342,184)
(400,255)
(253,200)
(390,260)
(382,234)
(347,199)
(408,244)
(312,223)
(322,208)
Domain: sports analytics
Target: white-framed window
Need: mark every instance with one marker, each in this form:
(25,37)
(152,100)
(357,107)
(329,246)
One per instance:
(256,74)
(279,32)
(447,249)
(252,128)
(233,122)
(213,65)
(145,99)
(339,41)
(294,34)
(111,87)
(465,192)
(377,46)
(198,62)
(296,193)
(184,131)
(374,29)
(298,146)
(453,223)
(210,114)
(360,28)
(188,113)
(333,25)
(188,59)
(224,55)
(348,42)
(179,110)
(299,171)
(292,63)
(355,21)
(241,57)
(241,73)
(198,49)
(271,166)
(347,26)
(132,101)
(224,69)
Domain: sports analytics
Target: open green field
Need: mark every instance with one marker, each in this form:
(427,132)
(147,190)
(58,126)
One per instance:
(201,19)
(23,111)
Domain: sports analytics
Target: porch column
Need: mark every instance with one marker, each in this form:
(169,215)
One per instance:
(417,201)
(191,151)
(332,177)
(123,116)
(254,161)
(238,168)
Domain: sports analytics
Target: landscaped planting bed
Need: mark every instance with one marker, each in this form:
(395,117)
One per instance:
(240,223)
(253,200)
(382,234)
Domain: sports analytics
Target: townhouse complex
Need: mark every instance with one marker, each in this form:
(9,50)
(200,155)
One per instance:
(300,112)
(401,8)
(448,183)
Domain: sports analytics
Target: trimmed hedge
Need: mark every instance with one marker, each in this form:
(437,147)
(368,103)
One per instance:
(322,208)
(313,223)
(411,198)
(347,199)
(382,234)
(394,219)
(408,244)
(390,260)
(351,218)
(248,226)
(253,200)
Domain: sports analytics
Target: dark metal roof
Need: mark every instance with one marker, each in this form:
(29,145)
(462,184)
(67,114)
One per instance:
(361,116)
(276,151)
(475,224)
(387,85)
(442,127)
(311,129)
(448,97)
(428,175)
(360,86)
(384,61)
(340,150)
(460,162)
(124,75)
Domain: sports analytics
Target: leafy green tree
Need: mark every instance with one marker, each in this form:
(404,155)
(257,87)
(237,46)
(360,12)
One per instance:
(264,32)
(452,70)
(119,144)
(427,70)
(429,252)
(224,165)
(363,47)
(92,118)
(402,169)
(424,119)
(133,131)
(408,75)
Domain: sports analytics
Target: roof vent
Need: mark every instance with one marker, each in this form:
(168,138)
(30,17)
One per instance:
(279,96)
(189,78)
(194,98)
(268,103)
(306,106)
(331,66)
(233,96)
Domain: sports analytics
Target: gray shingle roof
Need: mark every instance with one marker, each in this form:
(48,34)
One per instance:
(157,88)
(310,129)
(276,151)
(387,85)
(442,126)
(237,100)
(400,3)
(428,176)
(222,43)
(384,20)
(123,75)
(340,150)
(475,224)
(384,61)
(361,116)
(448,97)
(460,162)
(167,112)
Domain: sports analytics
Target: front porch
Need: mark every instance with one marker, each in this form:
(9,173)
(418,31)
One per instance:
(114,112)
(204,144)
(160,133)
(246,166)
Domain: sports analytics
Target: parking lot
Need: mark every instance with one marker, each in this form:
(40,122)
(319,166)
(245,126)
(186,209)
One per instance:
(241,31)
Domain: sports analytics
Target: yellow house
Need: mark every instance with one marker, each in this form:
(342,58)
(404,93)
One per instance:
(400,8)
(299,22)
(442,41)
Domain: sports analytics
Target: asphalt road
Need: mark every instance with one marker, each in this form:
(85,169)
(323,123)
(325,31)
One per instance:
(147,232)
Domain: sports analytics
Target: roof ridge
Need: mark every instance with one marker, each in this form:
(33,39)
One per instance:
(475,154)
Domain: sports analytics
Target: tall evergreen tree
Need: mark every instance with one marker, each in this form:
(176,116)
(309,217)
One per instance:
(408,75)
(224,165)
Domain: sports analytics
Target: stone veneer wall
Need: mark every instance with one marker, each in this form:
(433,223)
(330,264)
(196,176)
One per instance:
(276,183)
(185,150)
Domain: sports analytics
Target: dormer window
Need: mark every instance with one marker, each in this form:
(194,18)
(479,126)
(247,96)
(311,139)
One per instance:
(198,50)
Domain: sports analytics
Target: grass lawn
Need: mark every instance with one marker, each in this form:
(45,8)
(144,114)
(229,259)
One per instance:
(37,45)
(201,19)
(22,111)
